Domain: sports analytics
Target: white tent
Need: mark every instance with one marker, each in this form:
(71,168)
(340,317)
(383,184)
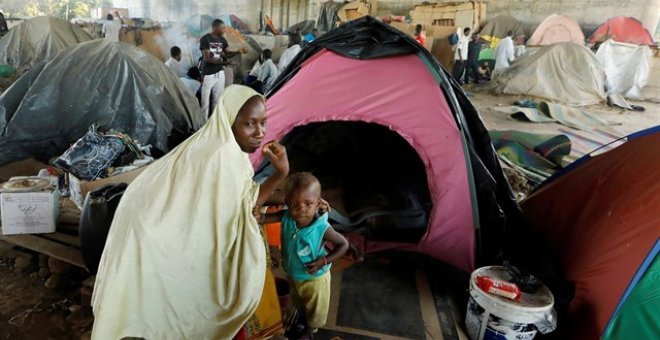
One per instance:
(564,72)
(627,67)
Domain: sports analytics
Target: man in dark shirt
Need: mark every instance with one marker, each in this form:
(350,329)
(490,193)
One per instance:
(474,48)
(215,56)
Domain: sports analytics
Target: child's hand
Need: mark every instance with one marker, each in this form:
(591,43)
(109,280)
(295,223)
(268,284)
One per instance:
(324,207)
(314,266)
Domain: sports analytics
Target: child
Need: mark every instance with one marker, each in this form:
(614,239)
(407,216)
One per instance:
(304,259)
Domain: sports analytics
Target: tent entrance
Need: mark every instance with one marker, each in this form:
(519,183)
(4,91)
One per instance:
(374,180)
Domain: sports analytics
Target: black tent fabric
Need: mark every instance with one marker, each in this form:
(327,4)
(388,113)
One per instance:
(367,38)
(328,15)
(114,85)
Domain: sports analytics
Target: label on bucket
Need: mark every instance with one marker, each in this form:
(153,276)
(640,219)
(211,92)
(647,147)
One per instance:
(496,328)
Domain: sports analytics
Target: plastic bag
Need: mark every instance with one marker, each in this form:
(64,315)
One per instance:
(90,157)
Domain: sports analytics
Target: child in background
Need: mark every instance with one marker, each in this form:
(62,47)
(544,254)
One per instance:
(304,259)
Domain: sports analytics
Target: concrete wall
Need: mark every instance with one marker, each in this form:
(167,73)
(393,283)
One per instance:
(180,10)
(589,13)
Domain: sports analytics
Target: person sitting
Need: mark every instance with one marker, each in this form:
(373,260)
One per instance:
(420,36)
(304,257)
(484,71)
(174,62)
(268,71)
(290,53)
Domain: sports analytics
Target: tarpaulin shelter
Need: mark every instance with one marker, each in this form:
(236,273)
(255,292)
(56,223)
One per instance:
(600,217)
(557,28)
(328,15)
(622,29)
(114,85)
(200,24)
(627,67)
(38,39)
(496,29)
(565,72)
(376,142)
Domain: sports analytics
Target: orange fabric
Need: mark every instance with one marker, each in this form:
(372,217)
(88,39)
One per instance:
(273,229)
(601,219)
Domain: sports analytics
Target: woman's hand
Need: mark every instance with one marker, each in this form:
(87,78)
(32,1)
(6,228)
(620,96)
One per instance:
(276,154)
(257,213)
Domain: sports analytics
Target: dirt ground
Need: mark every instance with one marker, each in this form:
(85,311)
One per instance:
(29,310)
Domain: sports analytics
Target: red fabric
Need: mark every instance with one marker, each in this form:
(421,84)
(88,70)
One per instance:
(421,39)
(399,93)
(602,219)
(623,29)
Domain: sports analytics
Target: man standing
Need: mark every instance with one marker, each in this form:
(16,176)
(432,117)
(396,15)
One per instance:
(290,53)
(504,52)
(111,28)
(215,56)
(461,54)
(474,47)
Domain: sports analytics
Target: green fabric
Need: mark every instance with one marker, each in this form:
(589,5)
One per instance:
(639,316)
(487,54)
(301,246)
(6,70)
(540,154)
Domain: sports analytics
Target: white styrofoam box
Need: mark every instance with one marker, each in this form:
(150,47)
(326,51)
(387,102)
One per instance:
(29,212)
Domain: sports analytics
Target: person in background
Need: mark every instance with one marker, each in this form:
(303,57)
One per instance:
(461,54)
(174,62)
(268,72)
(290,53)
(112,27)
(311,36)
(484,71)
(304,257)
(504,52)
(263,74)
(420,36)
(474,48)
(215,56)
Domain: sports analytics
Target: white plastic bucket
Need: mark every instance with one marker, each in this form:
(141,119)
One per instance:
(491,317)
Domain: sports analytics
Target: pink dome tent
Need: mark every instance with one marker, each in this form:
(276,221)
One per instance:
(555,29)
(349,93)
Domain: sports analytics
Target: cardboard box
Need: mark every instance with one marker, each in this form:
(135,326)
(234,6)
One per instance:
(466,14)
(79,188)
(30,212)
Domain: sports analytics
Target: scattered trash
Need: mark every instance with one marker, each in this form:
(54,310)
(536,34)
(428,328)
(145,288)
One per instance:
(525,103)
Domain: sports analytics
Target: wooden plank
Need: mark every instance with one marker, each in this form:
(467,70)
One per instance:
(47,247)
(427,304)
(68,240)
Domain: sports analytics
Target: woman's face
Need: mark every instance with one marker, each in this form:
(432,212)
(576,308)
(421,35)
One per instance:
(250,126)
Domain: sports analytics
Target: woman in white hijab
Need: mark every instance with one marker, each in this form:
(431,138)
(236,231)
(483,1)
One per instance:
(184,258)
